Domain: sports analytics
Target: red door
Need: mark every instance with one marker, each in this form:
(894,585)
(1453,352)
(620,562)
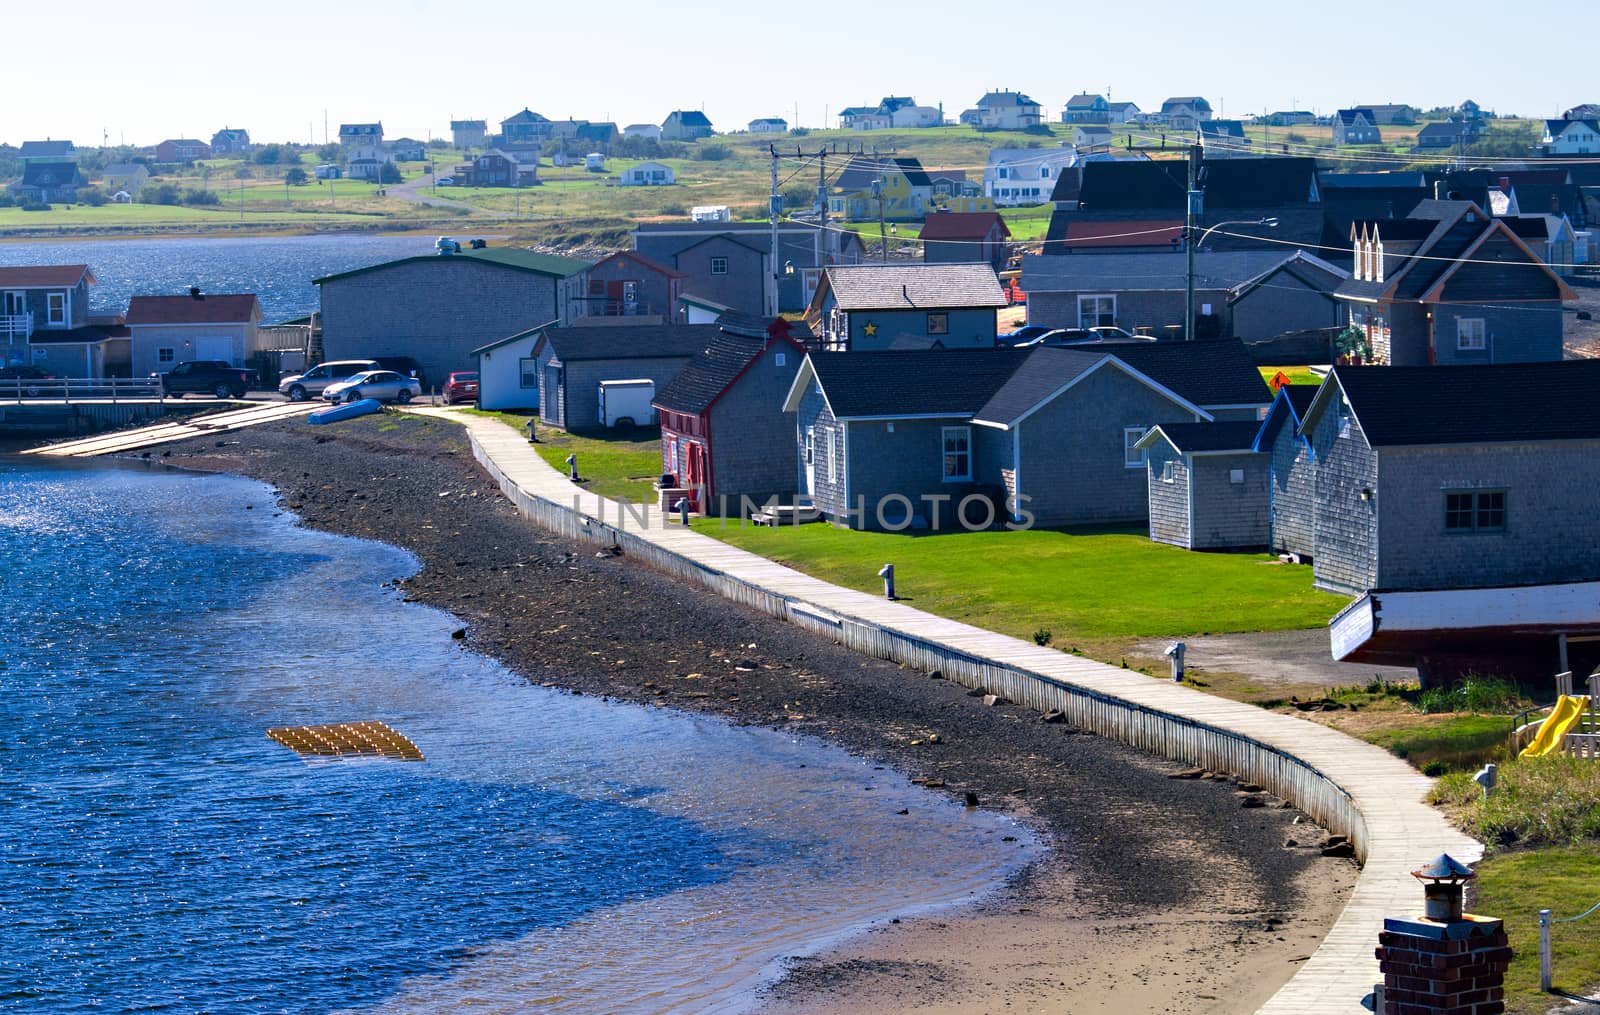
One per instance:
(695,473)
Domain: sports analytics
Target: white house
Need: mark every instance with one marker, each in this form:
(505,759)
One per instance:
(508,376)
(917,116)
(365,162)
(1025,176)
(1091,137)
(648,131)
(1571,137)
(769,125)
(648,174)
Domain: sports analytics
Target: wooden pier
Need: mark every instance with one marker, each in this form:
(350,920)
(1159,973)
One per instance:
(123,441)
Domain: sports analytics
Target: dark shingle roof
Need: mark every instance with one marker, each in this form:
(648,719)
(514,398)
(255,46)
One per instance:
(1044,372)
(46,149)
(1228,435)
(1288,409)
(859,173)
(1208,373)
(630,341)
(954,382)
(712,369)
(1113,271)
(1400,406)
(910,286)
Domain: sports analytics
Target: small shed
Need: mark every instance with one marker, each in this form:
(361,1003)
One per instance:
(1208,485)
(571,362)
(507,375)
(594,162)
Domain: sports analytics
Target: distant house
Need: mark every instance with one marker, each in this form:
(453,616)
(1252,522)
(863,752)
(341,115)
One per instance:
(183,150)
(48,182)
(1207,485)
(36,300)
(728,263)
(1552,238)
(363,134)
(1355,126)
(1091,137)
(1469,292)
(1289,118)
(467,134)
(571,363)
(166,330)
(863,118)
(1463,478)
(948,183)
(1224,139)
(598,136)
(1138,291)
(722,433)
(231,141)
(685,125)
(1008,110)
(900,185)
(366,162)
(648,131)
(628,284)
(495,168)
(906,306)
(1122,112)
(1015,177)
(769,125)
(408,149)
(1448,134)
(526,127)
(1292,493)
(1391,114)
(648,174)
(891,111)
(1085,108)
(438,308)
(1185,112)
(955,238)
(128,176)
(891,440)
(1571,137)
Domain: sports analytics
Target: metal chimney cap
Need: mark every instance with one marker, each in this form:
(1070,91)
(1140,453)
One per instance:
(1445,868)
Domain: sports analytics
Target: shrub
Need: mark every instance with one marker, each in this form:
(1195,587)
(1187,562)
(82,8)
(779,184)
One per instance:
(1295,137)
(1042,636)
(712,152)
(270,155)
(33,204)
(7,201)
(161,193)
(200,197)
(800,131)
(389,173)
(94,197)
(674,209)
(296,177)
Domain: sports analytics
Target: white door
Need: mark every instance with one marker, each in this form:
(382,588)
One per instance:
(214,347)
(810,453)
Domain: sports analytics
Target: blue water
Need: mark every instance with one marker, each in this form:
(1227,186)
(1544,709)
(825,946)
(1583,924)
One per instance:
(278,269)
(160,853)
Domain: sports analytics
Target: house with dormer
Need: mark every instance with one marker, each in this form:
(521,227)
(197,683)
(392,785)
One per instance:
(49,172)
(901,184)
(1355,126)
(1008,110)
(1022,177)
(368,135)
(1459,287)
(1185,112)
(231,141)
(1571,137)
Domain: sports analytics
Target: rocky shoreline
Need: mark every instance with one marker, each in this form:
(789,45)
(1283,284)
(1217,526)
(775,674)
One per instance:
(1160,893)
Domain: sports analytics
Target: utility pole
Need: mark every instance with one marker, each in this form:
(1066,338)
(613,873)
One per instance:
(774,207)
(824,241)
(1192,210)
(883,235)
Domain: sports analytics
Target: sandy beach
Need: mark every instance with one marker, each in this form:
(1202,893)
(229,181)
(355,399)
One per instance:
(1159,894)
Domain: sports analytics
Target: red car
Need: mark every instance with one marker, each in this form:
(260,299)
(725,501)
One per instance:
(461,387)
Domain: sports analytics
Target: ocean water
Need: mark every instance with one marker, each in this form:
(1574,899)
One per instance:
(160,853)
(278,269)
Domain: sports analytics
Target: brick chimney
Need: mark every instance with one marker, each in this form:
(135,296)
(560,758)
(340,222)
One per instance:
(1445,962)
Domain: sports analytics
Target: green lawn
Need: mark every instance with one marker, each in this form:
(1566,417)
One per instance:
(622,464)
(1296,375)
(1514,886)
(1082,586)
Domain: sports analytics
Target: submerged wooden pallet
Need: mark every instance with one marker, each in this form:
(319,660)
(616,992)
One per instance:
(371,739)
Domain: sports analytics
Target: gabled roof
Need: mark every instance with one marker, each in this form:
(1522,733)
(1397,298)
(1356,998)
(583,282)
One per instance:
(1223,128)
(504,257)
(1204,438)
(714,368)
(189,141)
(648,263)
(1211,374)
(994,100)
(1288,409)
(469,124)
(1506,403)
(626,341)
(1083,100)
(526,116)
(125,169)
(1308,268)
(859,173)
(690,117)
(903,384)
(1114,271)
(1048,372)
(962,225)
(207,308)
(911,286)
(46,150)
(1186,100)
(1348,116)
(43,276)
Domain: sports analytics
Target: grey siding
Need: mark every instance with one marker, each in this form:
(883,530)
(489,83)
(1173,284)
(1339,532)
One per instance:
(146,339)
(743,287)
(966,328)
(1284,303)
(1229,515)
(1552,530)
(436,311)
(752,438)
(1293,494)
(1072,451)
(1169,499)
(580,396)
(1151,310)
(1345,551)
(552,393)
(1521,333)
(827,486)
(907,461)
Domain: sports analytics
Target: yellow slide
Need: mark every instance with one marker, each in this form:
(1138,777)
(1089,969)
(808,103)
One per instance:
(1551,732)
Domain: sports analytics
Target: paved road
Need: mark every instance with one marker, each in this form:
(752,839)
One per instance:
(420,191)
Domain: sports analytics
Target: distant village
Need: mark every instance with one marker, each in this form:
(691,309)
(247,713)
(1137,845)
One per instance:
(787,360)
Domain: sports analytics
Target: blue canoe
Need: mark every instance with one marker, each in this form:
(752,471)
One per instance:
(349,410)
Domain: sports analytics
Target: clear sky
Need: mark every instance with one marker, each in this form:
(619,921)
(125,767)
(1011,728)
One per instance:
(142,72)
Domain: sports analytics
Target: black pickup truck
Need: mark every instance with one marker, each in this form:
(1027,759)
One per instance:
(207,377)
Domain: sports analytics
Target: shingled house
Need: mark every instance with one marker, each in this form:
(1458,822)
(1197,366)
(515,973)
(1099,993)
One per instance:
(906,306)
(1292,493)
(965,237)
(1207,485)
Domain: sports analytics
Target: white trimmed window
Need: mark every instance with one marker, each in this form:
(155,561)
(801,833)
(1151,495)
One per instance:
(1132,455)
(1169,471)
(529,372)
(719,266)
(56,308)
(166,354)
(811,445)
(1097,311)
(957,442)
(1471,335)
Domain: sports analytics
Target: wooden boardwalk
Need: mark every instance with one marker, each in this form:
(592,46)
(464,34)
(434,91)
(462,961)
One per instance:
(1352,787)
(121,441)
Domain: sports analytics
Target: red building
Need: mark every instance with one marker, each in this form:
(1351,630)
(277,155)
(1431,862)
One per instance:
(184,150)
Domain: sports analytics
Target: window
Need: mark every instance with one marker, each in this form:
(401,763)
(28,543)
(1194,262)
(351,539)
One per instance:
(1471,334)
(834,442)
(166,354)
(811,445)
(1097,311)
(939,324)
(1342,414)
(529,372)
(1001,172)
(957,453)
(719,266)
(1475,511)
(1132,456)
(56,304)
(1044,172)
(1169,471)
(780,359)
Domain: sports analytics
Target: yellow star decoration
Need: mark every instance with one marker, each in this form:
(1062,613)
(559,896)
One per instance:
(871,329)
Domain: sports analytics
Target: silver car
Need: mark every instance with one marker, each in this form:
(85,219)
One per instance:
(299,387)
(384,385)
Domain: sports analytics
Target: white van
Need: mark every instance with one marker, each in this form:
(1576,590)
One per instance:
(300,387)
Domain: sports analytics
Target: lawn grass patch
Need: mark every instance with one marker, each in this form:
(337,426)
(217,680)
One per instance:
(1514,886)
(1553,800)
(1084,586)
(1296,375)
(613,463)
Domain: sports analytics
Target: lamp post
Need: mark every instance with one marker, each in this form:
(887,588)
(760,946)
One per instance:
(1191,244)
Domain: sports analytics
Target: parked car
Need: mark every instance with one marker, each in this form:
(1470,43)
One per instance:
(300,387)
(207,377)
(462,386)
(1098,335)
(446,181)
(404,366)
(1024,335)
(384,385)
(25,372)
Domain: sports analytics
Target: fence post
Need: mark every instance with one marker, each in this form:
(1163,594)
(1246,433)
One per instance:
(1544,950)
